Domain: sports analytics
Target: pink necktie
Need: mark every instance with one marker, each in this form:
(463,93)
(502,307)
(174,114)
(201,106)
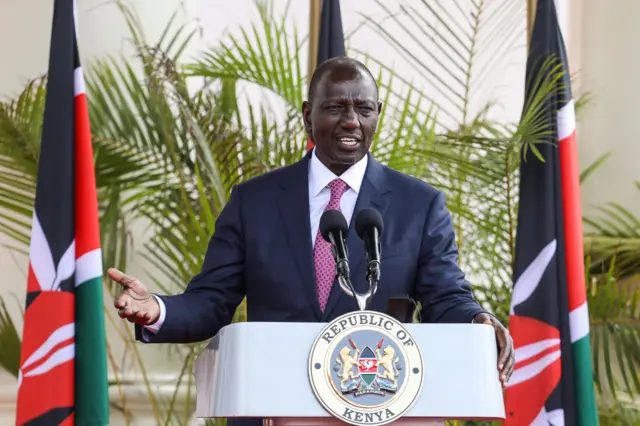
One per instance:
(323,259)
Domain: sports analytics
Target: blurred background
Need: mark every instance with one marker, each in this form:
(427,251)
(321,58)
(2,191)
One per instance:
(229,77)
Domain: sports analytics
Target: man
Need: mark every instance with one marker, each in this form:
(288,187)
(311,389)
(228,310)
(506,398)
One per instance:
(266,243)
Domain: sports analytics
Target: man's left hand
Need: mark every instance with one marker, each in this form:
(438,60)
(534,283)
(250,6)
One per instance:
(506,357)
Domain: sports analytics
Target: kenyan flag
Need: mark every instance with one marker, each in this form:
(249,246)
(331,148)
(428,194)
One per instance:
(552,383)
(63,369)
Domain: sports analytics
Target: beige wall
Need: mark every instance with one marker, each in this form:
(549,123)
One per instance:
(604,53)
(600,53)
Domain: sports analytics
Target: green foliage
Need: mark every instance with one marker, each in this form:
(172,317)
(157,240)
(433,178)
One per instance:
(10,353)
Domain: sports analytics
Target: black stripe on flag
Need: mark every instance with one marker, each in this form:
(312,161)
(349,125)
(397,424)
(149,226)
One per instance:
(331,36)
(54,204)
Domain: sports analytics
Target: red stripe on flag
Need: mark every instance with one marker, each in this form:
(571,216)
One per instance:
(572,212)
(86,207)
(309,144)
(538,356)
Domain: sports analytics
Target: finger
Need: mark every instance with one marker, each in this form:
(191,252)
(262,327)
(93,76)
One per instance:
(121,301)
(503,344)
(139,318)
(127,310)
(115,274)
(510,366)
(120,277)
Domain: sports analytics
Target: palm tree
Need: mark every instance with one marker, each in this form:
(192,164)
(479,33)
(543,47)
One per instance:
(170,156)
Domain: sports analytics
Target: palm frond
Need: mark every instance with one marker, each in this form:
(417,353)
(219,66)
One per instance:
(615,331)
(446,47)
(9,342)
(615,233)
(264,54)
(618,413)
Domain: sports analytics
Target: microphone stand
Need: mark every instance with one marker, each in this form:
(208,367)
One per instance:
(343,276)
(373,276)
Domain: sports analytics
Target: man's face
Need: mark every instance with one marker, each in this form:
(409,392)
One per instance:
(343,117)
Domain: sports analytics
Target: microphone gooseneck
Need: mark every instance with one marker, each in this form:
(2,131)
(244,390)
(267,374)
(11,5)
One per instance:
(334,229)
(369,228)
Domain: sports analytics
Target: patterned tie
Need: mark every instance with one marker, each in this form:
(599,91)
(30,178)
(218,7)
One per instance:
(323,259)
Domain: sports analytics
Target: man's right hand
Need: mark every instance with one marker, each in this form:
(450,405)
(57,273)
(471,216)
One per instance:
(135,303)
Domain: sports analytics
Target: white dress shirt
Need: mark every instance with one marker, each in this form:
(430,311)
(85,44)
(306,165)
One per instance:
(319,194)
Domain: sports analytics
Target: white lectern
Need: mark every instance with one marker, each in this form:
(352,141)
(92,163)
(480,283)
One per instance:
(263,370)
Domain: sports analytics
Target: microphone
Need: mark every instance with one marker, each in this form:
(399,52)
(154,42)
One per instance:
(369,228)
(334,229)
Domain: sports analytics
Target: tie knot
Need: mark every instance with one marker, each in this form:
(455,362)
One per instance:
(337,187)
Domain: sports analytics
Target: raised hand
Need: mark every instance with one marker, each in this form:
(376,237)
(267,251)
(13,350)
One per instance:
(135,303)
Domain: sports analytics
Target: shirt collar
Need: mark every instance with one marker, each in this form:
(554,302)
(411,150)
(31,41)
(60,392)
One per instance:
(320,175)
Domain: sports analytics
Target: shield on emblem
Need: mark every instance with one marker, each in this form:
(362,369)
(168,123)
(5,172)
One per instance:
(367,365)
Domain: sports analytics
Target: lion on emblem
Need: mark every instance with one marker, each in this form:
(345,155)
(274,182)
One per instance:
(347,361)
(387,362)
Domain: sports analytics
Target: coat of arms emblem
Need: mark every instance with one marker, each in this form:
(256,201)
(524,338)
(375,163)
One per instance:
(368,371)
(365,368)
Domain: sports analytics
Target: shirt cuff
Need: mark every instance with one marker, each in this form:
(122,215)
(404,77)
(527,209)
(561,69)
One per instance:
(155,327)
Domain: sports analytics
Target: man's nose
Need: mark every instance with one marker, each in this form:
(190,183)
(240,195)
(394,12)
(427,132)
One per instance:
(350,118)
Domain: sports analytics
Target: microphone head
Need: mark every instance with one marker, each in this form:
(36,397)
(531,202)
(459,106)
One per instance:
(331,221)
(367,218)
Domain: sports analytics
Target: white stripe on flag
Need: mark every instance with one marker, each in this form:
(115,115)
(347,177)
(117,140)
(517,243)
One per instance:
(78,82)
(530,278)
(529,351)
(530,371)
(566,120)
(579,322)
(75,18)
(88,266)
(40,256)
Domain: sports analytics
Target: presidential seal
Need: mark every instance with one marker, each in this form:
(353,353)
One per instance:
(365,368)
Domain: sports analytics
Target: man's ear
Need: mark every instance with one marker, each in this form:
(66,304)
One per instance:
(306,116)
(379,108)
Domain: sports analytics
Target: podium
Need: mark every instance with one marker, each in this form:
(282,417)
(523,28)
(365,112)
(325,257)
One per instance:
(264,370)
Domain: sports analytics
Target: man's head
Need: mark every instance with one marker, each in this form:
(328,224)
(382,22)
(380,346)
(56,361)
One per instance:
(342,112)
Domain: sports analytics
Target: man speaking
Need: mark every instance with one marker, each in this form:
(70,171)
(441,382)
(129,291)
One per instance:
(267,246)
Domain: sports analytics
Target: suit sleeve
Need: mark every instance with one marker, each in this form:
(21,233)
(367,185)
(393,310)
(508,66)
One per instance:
(211,297)
(442,290)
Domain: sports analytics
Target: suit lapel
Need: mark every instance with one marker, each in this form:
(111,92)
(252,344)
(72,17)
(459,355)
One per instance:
(372,195)
(293,203)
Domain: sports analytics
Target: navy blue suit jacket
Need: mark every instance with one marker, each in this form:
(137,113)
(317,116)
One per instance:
(262,249)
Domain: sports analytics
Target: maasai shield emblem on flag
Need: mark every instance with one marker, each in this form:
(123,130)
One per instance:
(63,371)
(368,365)
(552,383)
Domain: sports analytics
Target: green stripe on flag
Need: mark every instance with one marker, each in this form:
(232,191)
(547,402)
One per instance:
(92,399)
(583,378)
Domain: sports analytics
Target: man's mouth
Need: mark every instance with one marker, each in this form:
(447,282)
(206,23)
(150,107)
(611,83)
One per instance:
(349,142)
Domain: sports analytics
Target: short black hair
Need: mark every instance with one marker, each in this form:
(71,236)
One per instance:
(329,65)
